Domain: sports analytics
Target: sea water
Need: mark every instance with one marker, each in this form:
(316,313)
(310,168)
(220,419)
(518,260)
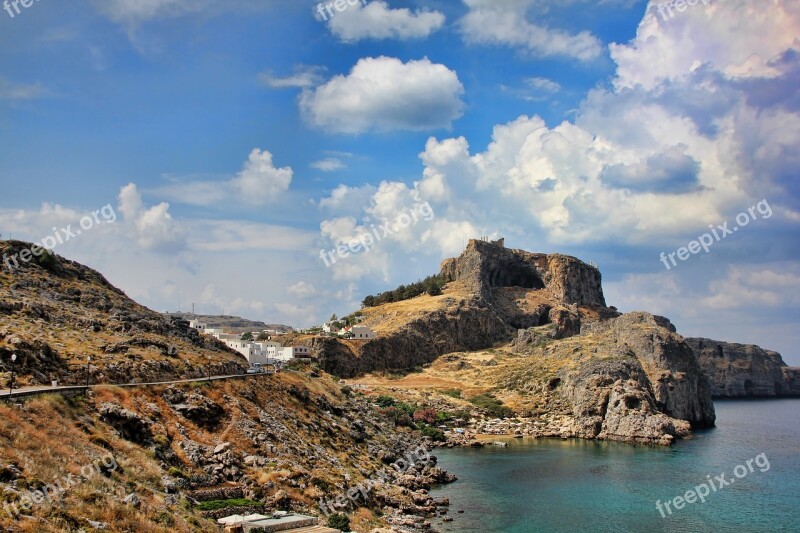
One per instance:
(577,485)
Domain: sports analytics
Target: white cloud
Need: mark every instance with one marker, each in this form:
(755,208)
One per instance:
(543,84)
(153,227)
(346,199)
(329,164)
(304,76)
(729,37)
(386,94)
(376,20)
(505,23)
(259,183)
(302,289)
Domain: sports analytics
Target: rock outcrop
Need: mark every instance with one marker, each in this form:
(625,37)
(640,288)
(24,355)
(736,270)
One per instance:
(485,266)
(745,370)
(642,383)
(506,290)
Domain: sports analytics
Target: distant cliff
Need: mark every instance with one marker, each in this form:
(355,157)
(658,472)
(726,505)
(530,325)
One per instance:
(745,370)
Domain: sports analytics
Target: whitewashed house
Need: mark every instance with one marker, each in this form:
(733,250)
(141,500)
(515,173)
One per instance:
(359,333)
(199,326)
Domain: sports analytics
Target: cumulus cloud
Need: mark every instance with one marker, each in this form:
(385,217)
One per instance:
(345,199)
(506,23)
(376,20)
(154,228)
(259,182)
(385,94)
(728,37)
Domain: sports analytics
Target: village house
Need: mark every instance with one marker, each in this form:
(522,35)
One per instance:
(359,333)
(256,352)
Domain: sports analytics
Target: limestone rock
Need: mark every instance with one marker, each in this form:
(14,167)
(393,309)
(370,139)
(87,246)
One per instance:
(745,370)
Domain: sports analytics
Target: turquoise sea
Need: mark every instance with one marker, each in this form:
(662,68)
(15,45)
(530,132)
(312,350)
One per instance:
(573,485)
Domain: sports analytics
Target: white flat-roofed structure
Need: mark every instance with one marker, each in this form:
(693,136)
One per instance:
(199,326)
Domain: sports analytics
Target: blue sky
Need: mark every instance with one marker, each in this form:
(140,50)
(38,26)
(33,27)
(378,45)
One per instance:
(237,140)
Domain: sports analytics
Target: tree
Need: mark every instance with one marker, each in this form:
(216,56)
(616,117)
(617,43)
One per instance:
(334,318)
(247,336)
(263,336)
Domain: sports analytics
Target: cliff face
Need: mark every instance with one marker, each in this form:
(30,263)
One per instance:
(463,325)
(485,266)
(642,382)
(745,370)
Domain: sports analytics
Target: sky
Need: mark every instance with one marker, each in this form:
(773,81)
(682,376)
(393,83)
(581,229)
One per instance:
(280,160)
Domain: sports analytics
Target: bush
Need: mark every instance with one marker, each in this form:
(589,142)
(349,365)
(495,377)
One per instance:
(385,401)
(431,285)
(339,521)
(453,393)
(492,406)
(433,433)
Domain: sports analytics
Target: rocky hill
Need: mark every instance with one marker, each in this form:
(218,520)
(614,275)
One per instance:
(54,313)
(745,370)
(577,367)
(492,292)
(175,457)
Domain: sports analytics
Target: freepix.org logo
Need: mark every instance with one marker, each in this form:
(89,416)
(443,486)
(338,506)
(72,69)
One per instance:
(12,7)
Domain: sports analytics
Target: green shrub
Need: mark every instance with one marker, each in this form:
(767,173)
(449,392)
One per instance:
(453,393)
(385,401)
(433,433)
(339,521)
(492,405)
(431,285)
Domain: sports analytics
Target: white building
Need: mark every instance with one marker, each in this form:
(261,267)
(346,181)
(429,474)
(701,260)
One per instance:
(224,337)
(328,328)
(360,333)
(199,326)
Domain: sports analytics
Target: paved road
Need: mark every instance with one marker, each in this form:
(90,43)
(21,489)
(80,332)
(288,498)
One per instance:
(35,391)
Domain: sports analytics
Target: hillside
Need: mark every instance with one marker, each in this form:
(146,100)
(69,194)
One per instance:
(164,455)
(175,457)
(54,313)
